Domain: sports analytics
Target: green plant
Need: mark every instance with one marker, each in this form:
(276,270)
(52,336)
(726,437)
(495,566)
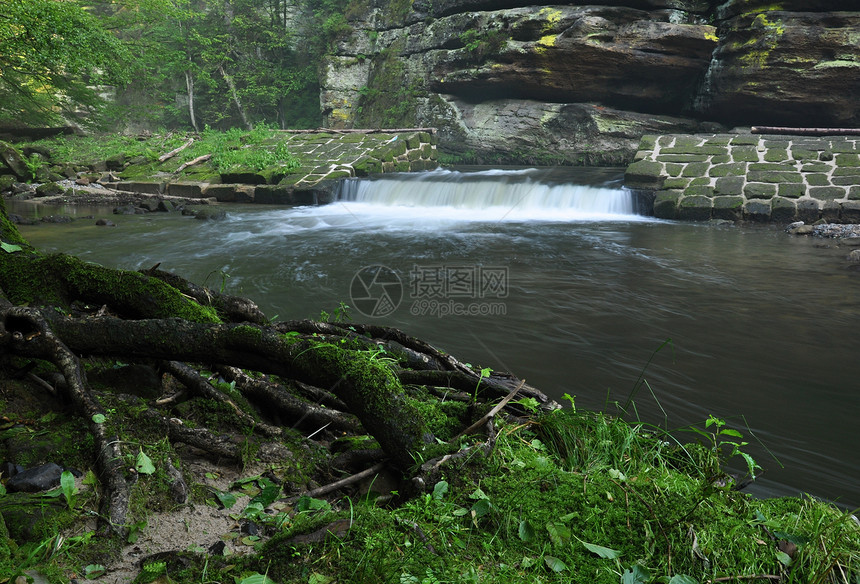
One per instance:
(34,163)
(67,484)
(722,439)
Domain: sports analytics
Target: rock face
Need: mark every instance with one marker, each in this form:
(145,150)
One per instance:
(515,82)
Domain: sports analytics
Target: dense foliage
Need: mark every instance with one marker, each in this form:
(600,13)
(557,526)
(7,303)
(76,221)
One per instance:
(54,55)
(169,63)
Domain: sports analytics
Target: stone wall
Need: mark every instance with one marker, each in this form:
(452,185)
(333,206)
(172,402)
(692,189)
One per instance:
(750,177)
(324,157)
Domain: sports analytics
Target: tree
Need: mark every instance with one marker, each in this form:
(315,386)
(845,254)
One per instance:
(55,59)
(58,309)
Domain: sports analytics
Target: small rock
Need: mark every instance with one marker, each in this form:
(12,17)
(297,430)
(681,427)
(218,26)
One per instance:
(33,480)
(166,206)
(124,210)
(207,215)
(854,256)
(105,223)
(83,181)
(48,189)
(56,219)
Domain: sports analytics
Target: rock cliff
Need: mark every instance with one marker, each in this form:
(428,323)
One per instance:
(512,82)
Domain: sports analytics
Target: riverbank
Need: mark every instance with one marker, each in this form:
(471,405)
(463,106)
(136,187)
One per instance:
(750,177)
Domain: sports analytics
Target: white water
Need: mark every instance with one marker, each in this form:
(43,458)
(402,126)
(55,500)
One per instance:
(490,196)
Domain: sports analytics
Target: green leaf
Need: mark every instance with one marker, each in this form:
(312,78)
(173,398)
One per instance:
(636,575)
(67,483)
(554,564)
(440,489)
(99,418)
(730,432)
(227,499)
(93,571)
(559,534)
(526,531)
(257,578)
(481,508)
(10,247)
(682,579)
(144,464)
(310,504)
(603,552)
(783,558)
(317,578)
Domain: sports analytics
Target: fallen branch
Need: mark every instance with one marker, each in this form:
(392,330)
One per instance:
(751,577)
(176,151)
(325,489)
(197,160)
(806,131)
(489,415)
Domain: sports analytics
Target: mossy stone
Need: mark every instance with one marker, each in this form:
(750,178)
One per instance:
(745,139)
(730,169)
(757,210)
(695,207)
(666,204)
(791,190)
(744,154)
(674,169)
(728,207)
(729,185)
(827,193)
(696,169)
(759,190)
(783,209)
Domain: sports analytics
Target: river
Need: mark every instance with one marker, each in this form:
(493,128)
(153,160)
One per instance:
(562,285)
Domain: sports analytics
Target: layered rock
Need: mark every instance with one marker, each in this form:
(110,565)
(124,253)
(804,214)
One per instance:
(515,82)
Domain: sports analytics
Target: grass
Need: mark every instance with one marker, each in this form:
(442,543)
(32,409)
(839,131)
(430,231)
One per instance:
(578,497)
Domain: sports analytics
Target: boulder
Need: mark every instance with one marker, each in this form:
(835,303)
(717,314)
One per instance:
(33,480)
(12,159)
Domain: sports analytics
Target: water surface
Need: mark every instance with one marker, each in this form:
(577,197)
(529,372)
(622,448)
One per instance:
(762,325)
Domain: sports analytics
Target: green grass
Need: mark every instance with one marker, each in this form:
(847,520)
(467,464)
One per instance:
(576,497)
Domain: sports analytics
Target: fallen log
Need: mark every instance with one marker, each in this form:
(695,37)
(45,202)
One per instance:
(175,151)
(197,160)
(805,131)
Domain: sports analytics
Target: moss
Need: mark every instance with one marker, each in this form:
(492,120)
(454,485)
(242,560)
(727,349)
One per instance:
(57,279)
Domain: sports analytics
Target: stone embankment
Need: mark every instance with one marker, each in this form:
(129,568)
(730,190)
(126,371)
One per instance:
(750,177)
(324,156)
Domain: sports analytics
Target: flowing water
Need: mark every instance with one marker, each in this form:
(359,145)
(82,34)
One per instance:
(562,285)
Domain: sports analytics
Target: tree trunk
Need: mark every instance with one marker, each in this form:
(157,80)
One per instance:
(189,84)
(235,94)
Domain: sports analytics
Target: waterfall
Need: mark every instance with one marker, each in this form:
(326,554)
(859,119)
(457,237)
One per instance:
(492,195)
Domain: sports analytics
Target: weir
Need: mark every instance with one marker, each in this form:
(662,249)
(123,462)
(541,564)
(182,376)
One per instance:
(512,195)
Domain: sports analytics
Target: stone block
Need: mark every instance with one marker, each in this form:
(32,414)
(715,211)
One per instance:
(827,193)
(695,207)
(274,195)
(687,140)
(676,183)
(830,211)
(772,166)
(191,190)
(729,185)
(757,210)
(817,180)
(731,169)
(710,150)
(728,207)
(848,160)
(803,154)
(666,141)
(721,159)
(682,157)
(808,210)
(854,193)
(826,156)
(816,167)
(745,139)
(759,191)
(645,174)
(850,212)
(702,180)
(846,180)
(774,176)
(147,187)
(699,191)
(719,140)
(674,169)
(666,204)
(413,142)
(744,154)
(791,190)
(222,193)
(696,169)
(783,209)
(844,171)
(775,155)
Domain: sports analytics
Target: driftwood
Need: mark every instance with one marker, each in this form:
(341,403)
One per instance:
(176,151)
(806,131)
(197,160)
(361,131)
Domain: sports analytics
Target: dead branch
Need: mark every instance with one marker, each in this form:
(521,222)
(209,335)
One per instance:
(197,160)
(489,415)
(805,131)
(176,151)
